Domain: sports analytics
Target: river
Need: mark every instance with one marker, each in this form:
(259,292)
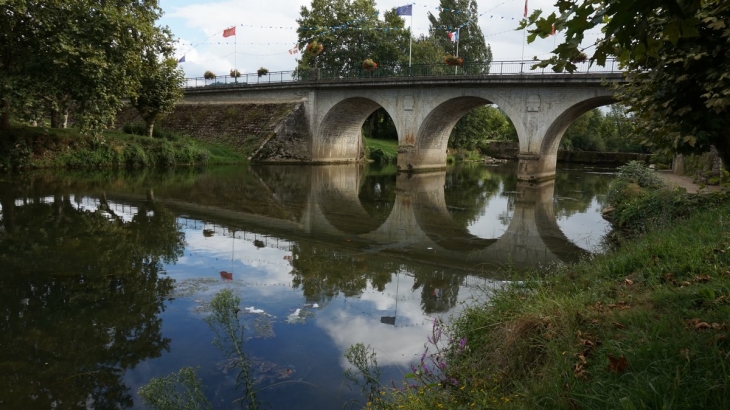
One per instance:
(106,276)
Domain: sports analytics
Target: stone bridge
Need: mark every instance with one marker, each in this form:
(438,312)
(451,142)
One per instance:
(425,110)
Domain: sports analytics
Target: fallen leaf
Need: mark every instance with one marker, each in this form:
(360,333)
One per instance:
(701,278)
(617,365)
(716,326)
(685,284)
(226,275)
(579,371)
(618,325)
(702,325)
(628,282)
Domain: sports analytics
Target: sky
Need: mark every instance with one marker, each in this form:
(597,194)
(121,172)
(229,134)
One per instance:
(267,30)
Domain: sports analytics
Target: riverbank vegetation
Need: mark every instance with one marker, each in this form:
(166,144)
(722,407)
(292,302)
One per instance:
(645,325)
(24,147)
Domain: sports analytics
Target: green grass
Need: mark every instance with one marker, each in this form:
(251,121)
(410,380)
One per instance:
(39,147)
(645,326)
(382,151)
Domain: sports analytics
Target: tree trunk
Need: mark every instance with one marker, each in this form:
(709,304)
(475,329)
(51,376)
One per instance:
(722,144)
(149,121)
(149,127)
(8,204)
(5,113)
(55,118)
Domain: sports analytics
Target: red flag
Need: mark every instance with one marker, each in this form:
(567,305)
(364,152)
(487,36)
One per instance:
(525,9)
(553,32)
(229,32)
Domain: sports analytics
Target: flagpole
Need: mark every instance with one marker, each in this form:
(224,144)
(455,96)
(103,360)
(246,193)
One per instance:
(524,40)
(410,44)
(235,56)
(456,67)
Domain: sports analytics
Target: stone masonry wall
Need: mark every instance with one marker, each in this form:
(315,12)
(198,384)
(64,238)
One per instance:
(246,128)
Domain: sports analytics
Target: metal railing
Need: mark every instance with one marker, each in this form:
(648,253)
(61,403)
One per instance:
(396,71)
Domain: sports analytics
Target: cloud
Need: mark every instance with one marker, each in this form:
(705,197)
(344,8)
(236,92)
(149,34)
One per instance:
(273,31)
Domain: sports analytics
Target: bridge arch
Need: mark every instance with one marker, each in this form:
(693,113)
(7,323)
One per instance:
(428,149)
(339,134)
(554,133)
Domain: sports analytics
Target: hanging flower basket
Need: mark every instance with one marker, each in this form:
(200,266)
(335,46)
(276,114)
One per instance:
(314,48)
(235,73)
(369,65)
(209,75)
(579,58)
(262,71)
(453,61)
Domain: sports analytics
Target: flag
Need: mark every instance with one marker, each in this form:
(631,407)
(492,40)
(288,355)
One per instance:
(454,36)
(525,9)
(229,32)
(294,50)
(553,30)
(404,10)
(181,60)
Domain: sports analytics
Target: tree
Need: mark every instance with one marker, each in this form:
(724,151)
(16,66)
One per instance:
(676,55)
(479,125)
(80,54)
(476,52)
(161,84)
(351,32)
(427,50)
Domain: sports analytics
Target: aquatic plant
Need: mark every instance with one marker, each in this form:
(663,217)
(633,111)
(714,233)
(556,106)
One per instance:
(177,391)
(229,338)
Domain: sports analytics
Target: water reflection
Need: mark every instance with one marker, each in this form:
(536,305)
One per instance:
(89,262)
(81,294)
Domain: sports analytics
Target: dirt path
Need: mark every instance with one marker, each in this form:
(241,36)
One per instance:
(682,181)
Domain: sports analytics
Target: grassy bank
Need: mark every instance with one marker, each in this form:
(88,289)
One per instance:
(382,151)
(645,326)
(38,147)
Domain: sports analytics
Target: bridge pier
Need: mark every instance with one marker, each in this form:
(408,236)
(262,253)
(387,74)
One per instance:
(412,159)
(536,168)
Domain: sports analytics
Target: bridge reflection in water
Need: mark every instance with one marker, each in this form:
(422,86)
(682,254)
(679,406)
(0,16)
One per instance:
(420,225)
(392,251)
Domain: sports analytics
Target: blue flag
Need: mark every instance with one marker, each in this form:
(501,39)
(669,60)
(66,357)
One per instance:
(181,60)
(404,10)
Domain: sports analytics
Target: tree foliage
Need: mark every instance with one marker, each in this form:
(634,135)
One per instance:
(596,131)
(359,35)
(677,58)
(480,125)
(79,55)
(161,83)
(472,46)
